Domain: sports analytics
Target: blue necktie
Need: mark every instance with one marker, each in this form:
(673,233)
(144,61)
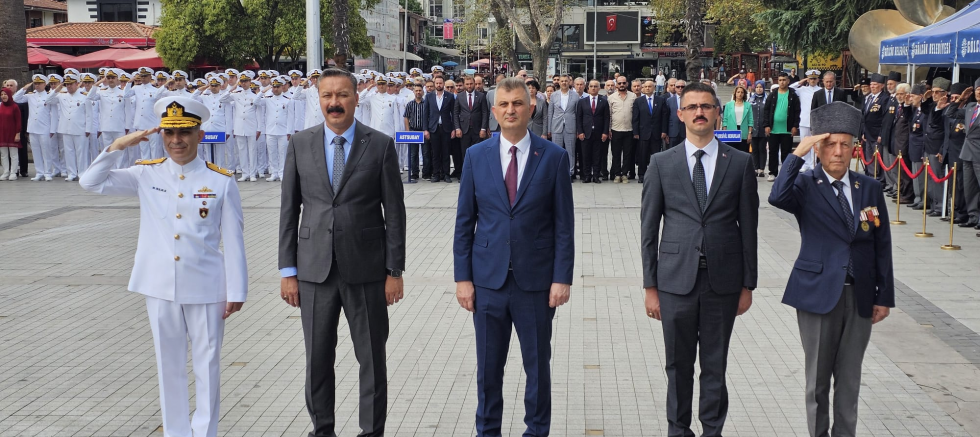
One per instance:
(650,103)
(848,218)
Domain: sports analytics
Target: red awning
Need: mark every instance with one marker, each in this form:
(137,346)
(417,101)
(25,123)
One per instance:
(102,58)
(140,58)
(39,56)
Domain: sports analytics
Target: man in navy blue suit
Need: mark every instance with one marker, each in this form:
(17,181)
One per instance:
(513,254)
(842,281)
(437,118)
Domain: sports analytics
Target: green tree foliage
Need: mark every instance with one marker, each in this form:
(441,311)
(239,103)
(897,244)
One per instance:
(536,23)
(736,27)
(814,26)
(234,33)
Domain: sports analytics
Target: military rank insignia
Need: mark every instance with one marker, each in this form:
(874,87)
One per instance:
(868,215)
(203,212)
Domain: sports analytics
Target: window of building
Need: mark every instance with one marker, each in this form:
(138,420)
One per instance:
(117,10)
(571,36)
(37,22)
(435,10)
(459,10)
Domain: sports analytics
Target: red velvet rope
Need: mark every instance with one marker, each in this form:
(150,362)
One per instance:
(885,167)
(909,172)
(936,179)
(866,162)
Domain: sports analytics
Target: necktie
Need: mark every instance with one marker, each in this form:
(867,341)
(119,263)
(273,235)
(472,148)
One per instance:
(593,105)
(510,178)
(848,218)
(471,101)
(650,103)
(338,161)
(867,104)
(700,186)
(830,97)
(975,113)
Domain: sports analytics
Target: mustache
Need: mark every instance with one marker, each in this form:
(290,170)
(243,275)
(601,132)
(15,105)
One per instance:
(701,117)
(335,110)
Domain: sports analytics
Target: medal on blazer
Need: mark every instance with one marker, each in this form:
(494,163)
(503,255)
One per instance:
(204,213)
(959,127)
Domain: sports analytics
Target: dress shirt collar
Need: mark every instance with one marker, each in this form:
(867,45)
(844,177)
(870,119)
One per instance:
(329,135)
(522,145)
(710,151)
(846,179)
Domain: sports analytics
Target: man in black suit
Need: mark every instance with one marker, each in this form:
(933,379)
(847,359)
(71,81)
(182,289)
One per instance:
(700,276)
(347,253)
(831,93)
(874,110)
(650,118)
(959,95)
(471,117)
(437,118)
(888,153)
(592,121)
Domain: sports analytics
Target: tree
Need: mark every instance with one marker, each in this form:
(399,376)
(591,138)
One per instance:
(694,31)
(536,23)
(13,38)
(236,32)
(736,27)
(814,26)
(502,41)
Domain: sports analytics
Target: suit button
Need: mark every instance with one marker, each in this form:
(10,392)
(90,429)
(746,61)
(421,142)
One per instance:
(180,195)
(178,215)
(181,177)
(176,258)
(176,236)
(336,205)
(511,217)
(697,248)
(704,225)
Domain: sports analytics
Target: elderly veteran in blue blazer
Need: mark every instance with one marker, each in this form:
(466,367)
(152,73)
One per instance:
(842,281)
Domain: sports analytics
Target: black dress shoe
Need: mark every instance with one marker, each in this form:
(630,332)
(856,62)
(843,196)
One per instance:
(933,214)
(906,201)
(447,179)
(918,207)
(968,224)
(977,227)
(598,180)
(587,181)
(433,179)
(641,179)
(961,220)
(945,219)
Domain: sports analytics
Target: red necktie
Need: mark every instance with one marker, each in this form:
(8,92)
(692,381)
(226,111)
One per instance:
(471,101)
(510,179)
(593,105)
(975,113)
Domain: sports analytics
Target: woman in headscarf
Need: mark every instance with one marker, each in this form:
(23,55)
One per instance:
(758,101)
(10,123)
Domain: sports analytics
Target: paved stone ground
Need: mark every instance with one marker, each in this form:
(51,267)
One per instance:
(76,356)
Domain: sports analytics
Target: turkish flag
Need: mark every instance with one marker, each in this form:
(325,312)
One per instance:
(610,23)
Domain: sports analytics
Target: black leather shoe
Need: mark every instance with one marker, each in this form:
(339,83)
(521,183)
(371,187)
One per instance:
(977,227)
(447,179)
(587,181)
(933,214)
(434,179)
(641,179)
(961,220)
(597,180)
(945,219)
(918,208)
(968,224)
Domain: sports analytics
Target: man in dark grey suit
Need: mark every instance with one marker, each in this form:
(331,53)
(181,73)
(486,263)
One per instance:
(701,275)
(471,115)
(675,127)
(348,252)
(971,156)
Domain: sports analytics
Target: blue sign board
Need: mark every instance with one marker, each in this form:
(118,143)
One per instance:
(932,49)
(968,46)
(729,135)
(409,137)
(214,138)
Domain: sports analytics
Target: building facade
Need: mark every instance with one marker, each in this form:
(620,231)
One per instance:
(45,12)
(138,11)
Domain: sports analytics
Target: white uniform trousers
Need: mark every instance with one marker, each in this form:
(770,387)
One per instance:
(172,324)
(247,154)
(94,146)
(809,159)
(277,145)
(59,160)
(402,156)
(262,156)
(132,154)
(77,157)
(231,154)
(45,154)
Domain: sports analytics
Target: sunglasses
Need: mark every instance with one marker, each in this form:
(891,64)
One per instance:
(679,86)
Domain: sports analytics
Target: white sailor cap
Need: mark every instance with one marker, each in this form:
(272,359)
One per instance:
(102,70)
(279,81)
(55,78)
(364,71)
(180,74)
(813,73)
(263,74)
(397,81)
(273,73)
(125,77)
(223,76)
(71,71)
(231,72)
(88,77)
(200,82)
(39,78)
(314,72)
(112,72)
(426,76)
(70,78)
(180,112)
(295,74)
(247,74)
(436,68)
(415,71)
(145,71)
(162,75)
(216,80)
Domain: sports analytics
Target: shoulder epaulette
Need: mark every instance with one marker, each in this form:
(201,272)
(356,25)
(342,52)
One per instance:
(150,161)
(223,171)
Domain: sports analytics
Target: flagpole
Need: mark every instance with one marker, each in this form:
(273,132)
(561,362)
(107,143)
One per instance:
(595,45)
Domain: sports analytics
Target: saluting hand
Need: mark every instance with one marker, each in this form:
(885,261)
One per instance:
(808,143)
(132,139)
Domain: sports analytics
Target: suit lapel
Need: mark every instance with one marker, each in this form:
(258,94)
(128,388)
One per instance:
(320,158)
(857,199)
(357,149)
(721,168)
(493,160)
(680,159)
(533,158)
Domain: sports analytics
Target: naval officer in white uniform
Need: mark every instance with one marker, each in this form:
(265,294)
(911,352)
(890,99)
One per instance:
(188,208)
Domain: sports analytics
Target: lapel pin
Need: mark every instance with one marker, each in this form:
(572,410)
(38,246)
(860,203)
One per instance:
(819,181)
(535,153)
(857,184)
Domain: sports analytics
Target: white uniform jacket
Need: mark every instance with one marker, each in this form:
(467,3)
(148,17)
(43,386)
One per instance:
(186,212)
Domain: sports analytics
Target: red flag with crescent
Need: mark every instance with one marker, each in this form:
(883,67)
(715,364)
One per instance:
(610,23)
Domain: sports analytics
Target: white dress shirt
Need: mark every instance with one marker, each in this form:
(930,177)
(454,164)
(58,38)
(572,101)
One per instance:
(847,183)
(564,99)
(523,145)
(707,161)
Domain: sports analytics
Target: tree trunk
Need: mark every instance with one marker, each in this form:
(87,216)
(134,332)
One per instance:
(341,32)
(13,39)
(510,56)
(539,61)
(694,29)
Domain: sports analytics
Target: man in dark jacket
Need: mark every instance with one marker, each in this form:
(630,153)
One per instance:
(782,123)
(592,120)
(898,140)
(956,128)
(873,114)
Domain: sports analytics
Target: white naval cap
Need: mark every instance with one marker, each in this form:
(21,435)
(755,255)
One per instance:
(125,77)
(162,75)
(145,71)
(39,78)
(71,71)
(248,73)
(70,78)
(295,74)
(55,78)
(279,81)
(231,72)
(216,80)
(180,112)
(415,71)
(88,77)
(180,74)
(314,72)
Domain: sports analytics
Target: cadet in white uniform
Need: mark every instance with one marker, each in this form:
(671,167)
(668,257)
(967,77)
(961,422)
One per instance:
(132,153)
(380,108)
(246,131)
(39,127)
(71,125)
(147,95)
(218,101)
(805,91)
(188,209)
(91,117)
(299,106)
(278,122)
(60,169)
(112,108)
(310,97)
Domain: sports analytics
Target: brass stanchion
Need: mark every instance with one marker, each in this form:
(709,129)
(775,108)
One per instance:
(875,159)
(925,200)
(898,211)
(952,213)
(858,158)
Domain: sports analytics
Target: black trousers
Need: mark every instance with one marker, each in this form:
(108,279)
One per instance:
(908,189)
(592,149)
(456,152)
(579,164)
(439,143)
(622,154)
(22,154)
(426,159)
(367,316)
(960,207)
(759,152)
(465,142)
(645,148)
(706,319)
(604,159)
(780,146)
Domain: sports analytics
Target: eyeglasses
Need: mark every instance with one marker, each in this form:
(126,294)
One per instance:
(704,107)
(679,86)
